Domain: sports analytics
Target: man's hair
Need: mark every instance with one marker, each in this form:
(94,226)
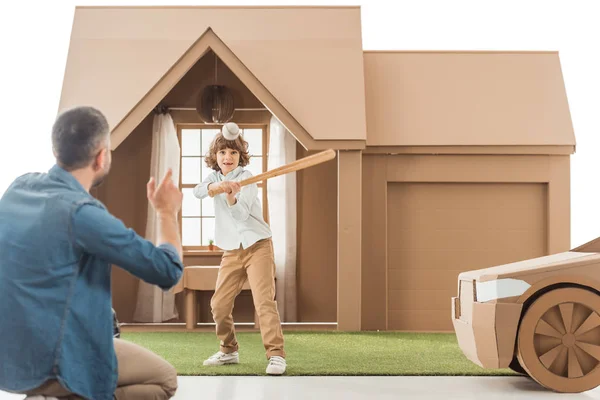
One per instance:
(77,135)
(219,143)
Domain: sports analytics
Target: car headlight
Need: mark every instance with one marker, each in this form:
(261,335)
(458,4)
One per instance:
(499,288)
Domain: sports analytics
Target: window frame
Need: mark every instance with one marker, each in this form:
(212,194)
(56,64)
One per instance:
(261,185)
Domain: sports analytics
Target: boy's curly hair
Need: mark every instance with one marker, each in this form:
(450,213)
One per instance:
(219,143)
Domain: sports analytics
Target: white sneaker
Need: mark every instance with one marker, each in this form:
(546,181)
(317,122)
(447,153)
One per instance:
(276,365)
(220,358)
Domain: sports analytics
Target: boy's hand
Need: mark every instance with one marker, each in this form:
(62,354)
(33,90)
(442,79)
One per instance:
(231,188)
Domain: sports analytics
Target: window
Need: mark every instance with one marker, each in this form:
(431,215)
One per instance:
(197,218)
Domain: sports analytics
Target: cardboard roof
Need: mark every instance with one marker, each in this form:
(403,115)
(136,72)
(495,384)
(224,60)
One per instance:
(466,99)
(308,59)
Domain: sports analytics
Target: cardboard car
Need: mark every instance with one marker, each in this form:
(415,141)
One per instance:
(540,317)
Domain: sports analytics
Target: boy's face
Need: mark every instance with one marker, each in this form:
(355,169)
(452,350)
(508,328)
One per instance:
(228,160)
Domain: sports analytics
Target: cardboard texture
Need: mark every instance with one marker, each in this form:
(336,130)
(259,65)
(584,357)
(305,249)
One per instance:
(426,218)
(540,316)
(447,161)
(314,70)
(456,99)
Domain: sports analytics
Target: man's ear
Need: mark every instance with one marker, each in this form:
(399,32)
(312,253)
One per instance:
(101,159)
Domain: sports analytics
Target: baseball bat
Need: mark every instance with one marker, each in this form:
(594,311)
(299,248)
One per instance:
(297,165)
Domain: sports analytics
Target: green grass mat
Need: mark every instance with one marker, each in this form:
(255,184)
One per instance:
(321,353)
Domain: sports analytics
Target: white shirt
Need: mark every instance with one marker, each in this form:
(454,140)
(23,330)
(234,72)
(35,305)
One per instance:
(241,223)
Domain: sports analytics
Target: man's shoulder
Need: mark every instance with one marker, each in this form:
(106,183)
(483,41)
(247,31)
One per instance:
(23,184)
(43,186)
(32,181)
(28,177)
(31,175)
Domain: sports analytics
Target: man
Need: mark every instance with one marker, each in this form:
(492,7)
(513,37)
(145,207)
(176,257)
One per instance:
(57,244)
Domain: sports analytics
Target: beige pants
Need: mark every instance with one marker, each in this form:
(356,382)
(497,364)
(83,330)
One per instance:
(142,375)
(256,264)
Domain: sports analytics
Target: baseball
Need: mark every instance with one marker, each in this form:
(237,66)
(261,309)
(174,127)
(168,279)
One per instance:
(231,131)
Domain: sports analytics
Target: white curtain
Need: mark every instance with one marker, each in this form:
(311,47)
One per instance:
(281,193)
(154,305)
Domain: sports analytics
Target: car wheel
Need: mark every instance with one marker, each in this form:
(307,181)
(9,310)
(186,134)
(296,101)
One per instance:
(558,342)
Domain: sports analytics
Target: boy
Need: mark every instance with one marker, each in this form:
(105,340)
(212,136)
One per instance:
(241,231)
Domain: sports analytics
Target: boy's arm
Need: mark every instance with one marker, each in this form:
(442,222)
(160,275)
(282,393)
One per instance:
(99,233)
(244,199)
(201,190)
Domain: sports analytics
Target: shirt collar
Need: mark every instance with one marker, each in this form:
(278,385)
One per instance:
(233,174)
(66,177)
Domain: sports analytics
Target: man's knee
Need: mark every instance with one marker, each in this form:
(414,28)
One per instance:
(170,381)
(143,373)
(166,378)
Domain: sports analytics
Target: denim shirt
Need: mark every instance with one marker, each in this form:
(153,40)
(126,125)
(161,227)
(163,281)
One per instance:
(57,244)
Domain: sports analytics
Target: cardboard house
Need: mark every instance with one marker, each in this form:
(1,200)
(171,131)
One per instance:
(447,161)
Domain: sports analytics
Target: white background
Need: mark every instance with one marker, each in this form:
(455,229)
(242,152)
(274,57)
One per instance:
(35,37)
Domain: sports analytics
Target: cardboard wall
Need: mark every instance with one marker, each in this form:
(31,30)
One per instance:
(317,241)
(436,230)
(542,181)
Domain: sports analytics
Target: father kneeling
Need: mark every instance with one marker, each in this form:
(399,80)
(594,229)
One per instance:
(57,245)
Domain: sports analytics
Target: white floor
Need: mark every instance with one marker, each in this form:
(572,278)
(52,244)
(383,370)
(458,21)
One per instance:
(361,388)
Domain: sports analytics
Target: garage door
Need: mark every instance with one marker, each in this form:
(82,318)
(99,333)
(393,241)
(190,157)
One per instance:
(437,230)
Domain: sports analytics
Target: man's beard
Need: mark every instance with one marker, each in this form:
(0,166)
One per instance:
(100,179)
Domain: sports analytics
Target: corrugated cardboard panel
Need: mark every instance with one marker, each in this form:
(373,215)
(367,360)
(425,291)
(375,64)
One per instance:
(437,230)
(466,99)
